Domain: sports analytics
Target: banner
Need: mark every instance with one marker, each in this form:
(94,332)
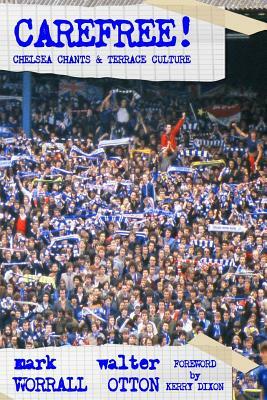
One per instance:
(226,228)
(122,42)
(116,373)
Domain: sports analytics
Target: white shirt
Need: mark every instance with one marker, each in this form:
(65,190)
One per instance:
(123,115)
(187,326)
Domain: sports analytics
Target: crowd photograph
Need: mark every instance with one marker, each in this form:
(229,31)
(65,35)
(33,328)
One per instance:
(134,213)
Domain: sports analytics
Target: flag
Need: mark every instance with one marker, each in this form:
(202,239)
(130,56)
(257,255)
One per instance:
(95,93)
(73,88)
(224,115)
(210,90)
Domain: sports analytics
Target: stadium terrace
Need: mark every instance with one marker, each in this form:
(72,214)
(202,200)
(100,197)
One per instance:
(96,33)
(131,217)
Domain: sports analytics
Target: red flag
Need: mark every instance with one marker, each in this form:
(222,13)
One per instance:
(224,115)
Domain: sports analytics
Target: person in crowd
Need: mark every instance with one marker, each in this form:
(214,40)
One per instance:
(254,145)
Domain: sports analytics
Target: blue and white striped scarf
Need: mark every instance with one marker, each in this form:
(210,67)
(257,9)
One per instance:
(203,243)
(140,235)
(60,171)
(208,143)
(190,126)
(220,261)
(92,156)
(194,153)
(228,149)
(29,174)
(112,218)
(113,143)
(179,170)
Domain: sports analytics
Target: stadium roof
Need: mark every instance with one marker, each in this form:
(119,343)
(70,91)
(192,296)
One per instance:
(228,4)
(238,4)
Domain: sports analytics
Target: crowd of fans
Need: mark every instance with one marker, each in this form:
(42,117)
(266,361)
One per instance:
(124,243)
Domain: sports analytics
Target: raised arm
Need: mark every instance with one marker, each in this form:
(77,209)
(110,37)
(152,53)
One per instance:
(260,152)
(105,101)
(143,124)
(238,130)
(178,126)
(105,135)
